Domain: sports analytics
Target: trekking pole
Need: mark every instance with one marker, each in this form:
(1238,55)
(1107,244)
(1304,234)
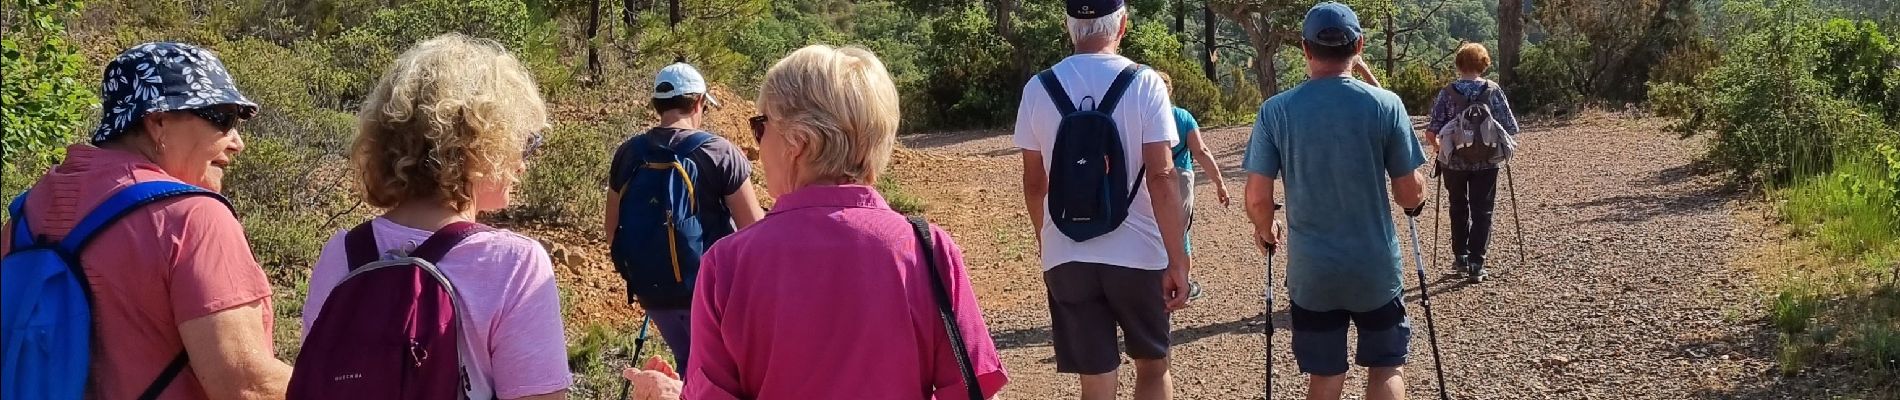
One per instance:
(1514,218)
(1269,315)
(1438,216)
(639,344)
(1425,298)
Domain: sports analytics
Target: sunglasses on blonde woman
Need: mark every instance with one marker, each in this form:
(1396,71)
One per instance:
(758,128)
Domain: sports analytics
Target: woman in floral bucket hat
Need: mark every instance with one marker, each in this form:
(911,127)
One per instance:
(180,309)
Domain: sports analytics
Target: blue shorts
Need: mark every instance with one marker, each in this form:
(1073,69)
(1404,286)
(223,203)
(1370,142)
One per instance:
(1319,338)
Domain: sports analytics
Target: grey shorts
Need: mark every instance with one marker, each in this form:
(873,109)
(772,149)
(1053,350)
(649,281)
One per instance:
(1088,301)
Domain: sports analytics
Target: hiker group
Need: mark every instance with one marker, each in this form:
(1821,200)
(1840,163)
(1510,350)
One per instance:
(127,274)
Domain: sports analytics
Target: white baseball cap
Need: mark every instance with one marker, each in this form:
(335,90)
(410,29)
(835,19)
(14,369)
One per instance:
(681,79)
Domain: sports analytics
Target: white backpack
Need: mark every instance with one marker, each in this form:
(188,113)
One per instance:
(1474,136)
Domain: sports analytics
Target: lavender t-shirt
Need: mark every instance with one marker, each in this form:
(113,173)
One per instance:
(513,309)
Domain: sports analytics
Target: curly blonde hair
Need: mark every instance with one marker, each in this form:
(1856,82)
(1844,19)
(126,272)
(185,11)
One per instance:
(452,111)
(842,104)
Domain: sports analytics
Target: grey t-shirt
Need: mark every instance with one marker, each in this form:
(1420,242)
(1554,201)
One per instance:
(722,167)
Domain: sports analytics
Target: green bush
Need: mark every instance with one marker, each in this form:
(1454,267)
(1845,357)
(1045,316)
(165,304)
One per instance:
(1417,84)
(45,94)
(1549,77)
(566,182)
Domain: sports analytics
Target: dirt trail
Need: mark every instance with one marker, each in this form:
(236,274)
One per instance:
(1626,291)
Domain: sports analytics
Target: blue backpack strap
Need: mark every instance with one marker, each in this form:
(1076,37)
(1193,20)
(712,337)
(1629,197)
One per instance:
(124,202)
(22,237)
(1122,81)
(692,142)
(1050,84)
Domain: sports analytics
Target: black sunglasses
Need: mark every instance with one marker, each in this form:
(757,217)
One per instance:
(225,121)
(758,129)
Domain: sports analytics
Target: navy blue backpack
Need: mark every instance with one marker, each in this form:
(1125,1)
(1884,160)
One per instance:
(1089,194)
(659,238)
(45,302)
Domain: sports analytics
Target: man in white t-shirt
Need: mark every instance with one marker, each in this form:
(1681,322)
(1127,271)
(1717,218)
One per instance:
(1134,276)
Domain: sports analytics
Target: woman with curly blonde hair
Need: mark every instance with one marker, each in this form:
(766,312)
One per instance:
(442,137)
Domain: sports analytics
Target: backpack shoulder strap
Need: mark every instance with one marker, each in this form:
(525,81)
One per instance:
(16,211)
(1064,105)
(692,142)
(359,245)
(439,243)
(124,202)
(928,243)
(1122,81)
(1458,100)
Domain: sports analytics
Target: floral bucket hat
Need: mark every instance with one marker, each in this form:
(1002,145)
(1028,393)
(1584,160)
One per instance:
(160,77)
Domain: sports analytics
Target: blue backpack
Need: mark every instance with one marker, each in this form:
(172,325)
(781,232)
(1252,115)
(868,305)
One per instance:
(45,300)
(1089,192)
(659,237)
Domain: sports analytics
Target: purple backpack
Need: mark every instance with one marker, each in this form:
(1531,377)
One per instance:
(391,328)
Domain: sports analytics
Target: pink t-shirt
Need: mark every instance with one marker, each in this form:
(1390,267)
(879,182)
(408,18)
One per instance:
(825,299)
(173,261)
(507,283)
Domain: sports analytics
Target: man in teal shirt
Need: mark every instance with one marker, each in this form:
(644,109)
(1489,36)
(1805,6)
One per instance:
(1337,141)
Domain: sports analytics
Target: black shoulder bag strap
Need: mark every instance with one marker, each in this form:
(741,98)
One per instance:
(166,377)
(944,308)
(1114,96)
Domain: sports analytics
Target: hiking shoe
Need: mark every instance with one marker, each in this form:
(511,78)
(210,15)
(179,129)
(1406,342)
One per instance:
(1194,290)
(1459,266)
(1476,273)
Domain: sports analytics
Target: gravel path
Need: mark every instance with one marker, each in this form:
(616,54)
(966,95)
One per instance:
(1626,291)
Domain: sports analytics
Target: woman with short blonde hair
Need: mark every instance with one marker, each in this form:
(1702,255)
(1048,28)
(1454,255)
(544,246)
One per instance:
(830,296)
(445,135)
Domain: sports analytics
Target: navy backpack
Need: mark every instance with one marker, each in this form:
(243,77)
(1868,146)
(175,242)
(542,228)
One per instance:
(1089,194)
(659,238)
(45,300)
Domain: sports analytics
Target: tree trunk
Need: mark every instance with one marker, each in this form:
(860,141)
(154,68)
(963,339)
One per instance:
(1209,23)
(593,30)
(1003,14)
(1180,15)
(674,14)
(1510,38)
(1391,62)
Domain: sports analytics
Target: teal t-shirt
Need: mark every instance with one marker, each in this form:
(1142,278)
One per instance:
(1183,123)
(1335,143)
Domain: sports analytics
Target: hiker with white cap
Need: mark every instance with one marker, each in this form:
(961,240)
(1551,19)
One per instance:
(1093,128)
(673,191)
(1338,143)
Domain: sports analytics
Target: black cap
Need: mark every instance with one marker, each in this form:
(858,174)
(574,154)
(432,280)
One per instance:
(1092,9)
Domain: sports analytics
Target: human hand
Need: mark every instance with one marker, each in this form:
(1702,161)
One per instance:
(1270,240)
(1175,287)
(1220,193)
(655,381)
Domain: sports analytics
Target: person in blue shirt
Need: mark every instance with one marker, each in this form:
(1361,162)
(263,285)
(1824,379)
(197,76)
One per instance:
(1336,142)
(1187,151)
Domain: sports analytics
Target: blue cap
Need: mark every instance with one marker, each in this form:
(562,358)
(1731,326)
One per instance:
(1331,24)
(1092,9)
(681,79)
(160,77)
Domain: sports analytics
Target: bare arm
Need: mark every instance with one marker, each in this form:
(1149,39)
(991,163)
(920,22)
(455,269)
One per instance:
(745,206)
(1173,220)
(1365,71)
(1035,190)
(230,353)
(1260,208)
(612,211)
(1199,148)
(1409,191)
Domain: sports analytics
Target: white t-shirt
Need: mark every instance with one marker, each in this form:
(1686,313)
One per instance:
(1144,115)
